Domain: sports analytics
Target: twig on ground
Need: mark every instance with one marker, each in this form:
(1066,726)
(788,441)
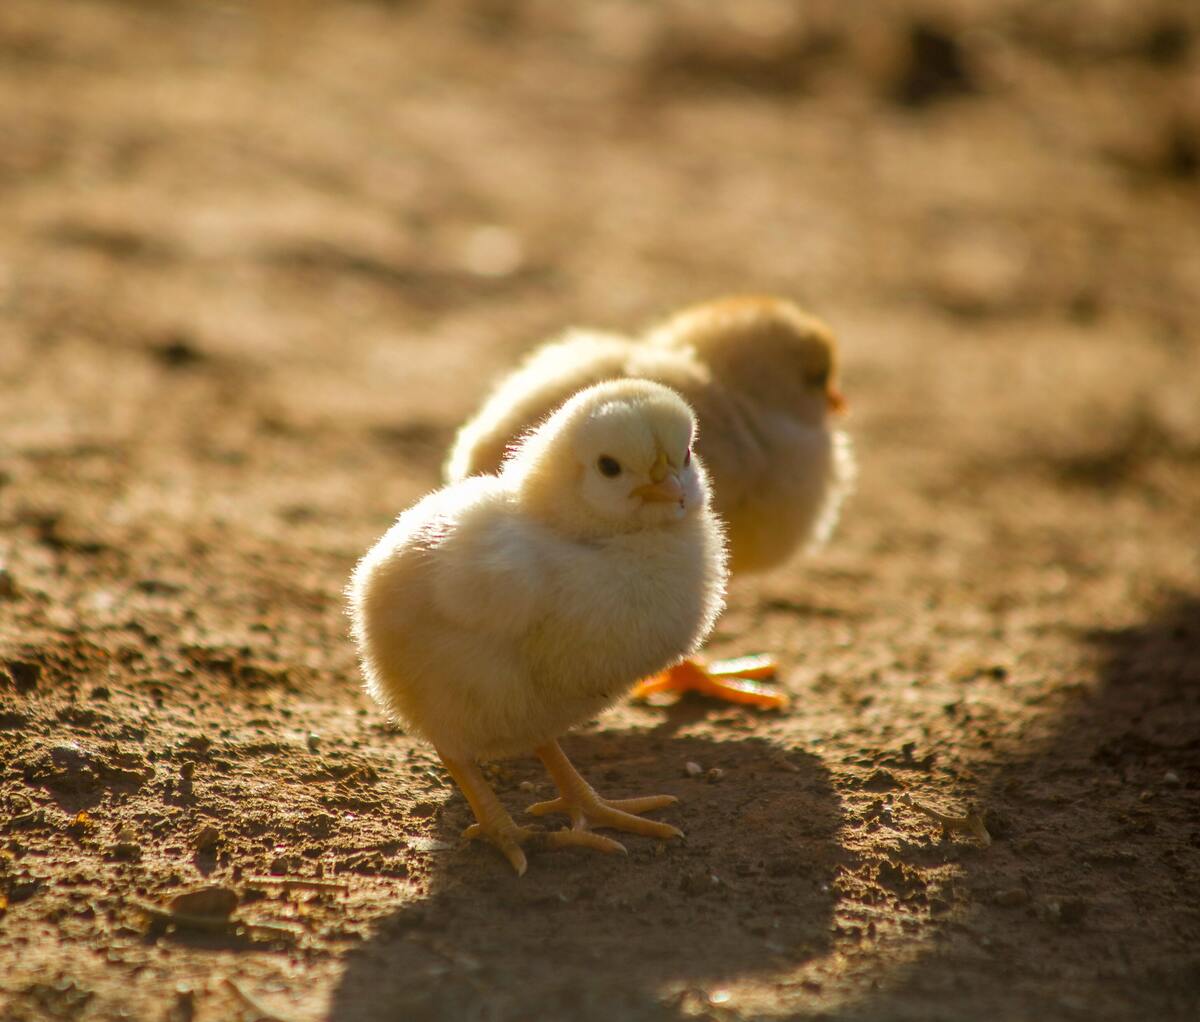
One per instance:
(971,824)
(215,924)
(302,883)
(254,1004)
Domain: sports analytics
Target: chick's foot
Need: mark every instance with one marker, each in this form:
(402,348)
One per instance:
(735,681)
(496,826)
(578,800)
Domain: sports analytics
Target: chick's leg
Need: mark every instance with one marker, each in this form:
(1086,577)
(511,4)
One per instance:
(495,825)
(586,809)
(735,681)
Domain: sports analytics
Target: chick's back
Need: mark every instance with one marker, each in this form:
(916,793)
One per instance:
(549,376)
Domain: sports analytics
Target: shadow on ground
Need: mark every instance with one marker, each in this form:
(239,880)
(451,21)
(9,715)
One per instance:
(1085,904)
(580,936)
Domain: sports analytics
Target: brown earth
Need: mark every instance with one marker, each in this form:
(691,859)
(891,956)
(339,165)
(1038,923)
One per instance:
(257,262)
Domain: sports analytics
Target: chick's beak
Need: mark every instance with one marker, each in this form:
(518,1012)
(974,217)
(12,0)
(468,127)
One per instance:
(836,400)
(666,491)
(665,487)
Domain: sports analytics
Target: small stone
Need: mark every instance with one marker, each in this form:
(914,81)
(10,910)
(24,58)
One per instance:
(1171,779)
(1011,897)
(187,771)
(207,839)
(213,901)
(714,775)
(525,786)
(692,768)
(493,251)
(100,692)
(699,882)
(25,676)
(313,741)
(126,851)
(70,756)
(881,780)
(1071,911)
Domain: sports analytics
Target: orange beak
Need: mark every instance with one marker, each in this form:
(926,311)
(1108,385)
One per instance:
(665,488)
(836,400)
(666,491)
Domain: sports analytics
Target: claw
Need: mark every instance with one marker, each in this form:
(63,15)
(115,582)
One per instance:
(586,809)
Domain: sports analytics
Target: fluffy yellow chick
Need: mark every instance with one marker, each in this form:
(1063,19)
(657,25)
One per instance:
(762,377)
(501,610)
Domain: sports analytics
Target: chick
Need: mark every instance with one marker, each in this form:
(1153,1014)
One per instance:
(501,610)
(762,377)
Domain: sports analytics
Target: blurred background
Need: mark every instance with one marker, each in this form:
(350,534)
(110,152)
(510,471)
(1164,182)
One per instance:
(257,262)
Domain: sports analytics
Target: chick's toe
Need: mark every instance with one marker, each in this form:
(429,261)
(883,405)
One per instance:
(734,681)
(578,800)
(494,824)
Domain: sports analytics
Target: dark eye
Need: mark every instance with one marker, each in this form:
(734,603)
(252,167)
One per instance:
(687,457)
(608,466)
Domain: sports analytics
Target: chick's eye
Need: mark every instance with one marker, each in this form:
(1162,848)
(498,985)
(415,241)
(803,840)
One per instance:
(608,466)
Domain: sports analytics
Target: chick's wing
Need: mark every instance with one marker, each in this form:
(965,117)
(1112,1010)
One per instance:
(487,574)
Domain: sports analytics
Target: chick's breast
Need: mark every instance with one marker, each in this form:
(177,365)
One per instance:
(488,634)
(624,608)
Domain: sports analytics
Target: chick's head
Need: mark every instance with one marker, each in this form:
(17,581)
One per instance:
(616,457)
(767,348)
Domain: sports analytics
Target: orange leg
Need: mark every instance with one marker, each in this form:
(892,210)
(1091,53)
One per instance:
(495,825)
(735,681)
(578,800)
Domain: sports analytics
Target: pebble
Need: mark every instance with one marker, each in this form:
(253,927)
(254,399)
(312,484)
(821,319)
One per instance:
(126,851)
(1171,778)
(211,900)
(881,780)
(1012,897)
(207,839)
(714,775)
(692,768)
(699,882)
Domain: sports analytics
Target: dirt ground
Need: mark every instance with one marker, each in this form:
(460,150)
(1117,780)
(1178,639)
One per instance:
(256,264)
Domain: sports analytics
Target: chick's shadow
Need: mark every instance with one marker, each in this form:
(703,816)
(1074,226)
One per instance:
(587,936)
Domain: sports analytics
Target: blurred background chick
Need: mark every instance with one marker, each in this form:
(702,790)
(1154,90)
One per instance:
(762,376)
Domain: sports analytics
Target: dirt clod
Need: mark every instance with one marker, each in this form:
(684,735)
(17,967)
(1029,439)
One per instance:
(210,900)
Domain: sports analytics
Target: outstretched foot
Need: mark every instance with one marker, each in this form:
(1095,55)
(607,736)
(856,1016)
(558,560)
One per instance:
(735,681)
(578,800)
(496,826)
